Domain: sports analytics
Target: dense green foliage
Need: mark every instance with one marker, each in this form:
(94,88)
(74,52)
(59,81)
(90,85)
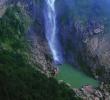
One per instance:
(12,25)
(18,79)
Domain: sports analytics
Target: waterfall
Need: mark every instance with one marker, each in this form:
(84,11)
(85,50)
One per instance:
(51,30)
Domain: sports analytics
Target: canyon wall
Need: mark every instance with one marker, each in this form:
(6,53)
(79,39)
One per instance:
(83,32)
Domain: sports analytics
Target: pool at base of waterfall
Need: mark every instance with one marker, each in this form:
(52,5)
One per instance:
(75,78)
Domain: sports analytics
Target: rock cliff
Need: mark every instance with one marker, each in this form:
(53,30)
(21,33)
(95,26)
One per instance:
(83,31)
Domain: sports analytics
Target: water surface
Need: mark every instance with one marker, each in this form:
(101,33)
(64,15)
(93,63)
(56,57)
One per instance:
(74,77)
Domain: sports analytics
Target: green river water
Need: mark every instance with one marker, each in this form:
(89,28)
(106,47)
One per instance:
(74,77)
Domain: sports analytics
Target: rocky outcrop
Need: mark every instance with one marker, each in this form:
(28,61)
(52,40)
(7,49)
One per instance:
(88,92)
(40,52)
(2,7)
(95,52)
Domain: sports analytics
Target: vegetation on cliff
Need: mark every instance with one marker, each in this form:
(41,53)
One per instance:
(18,79)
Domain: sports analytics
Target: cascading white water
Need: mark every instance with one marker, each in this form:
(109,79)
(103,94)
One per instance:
(51,34)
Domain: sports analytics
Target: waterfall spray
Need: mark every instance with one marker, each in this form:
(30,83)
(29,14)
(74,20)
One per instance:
(51,34)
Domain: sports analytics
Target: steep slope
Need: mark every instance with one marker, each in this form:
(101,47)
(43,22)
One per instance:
(18,79)
(85,35)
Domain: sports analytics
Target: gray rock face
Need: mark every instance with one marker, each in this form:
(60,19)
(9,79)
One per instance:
(2,7)
(85,35)
(40,52)
(98,48)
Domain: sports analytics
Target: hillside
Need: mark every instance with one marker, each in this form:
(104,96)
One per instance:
(18,79)
(54,49)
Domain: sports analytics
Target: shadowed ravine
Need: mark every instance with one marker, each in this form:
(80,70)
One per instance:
(66,73)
